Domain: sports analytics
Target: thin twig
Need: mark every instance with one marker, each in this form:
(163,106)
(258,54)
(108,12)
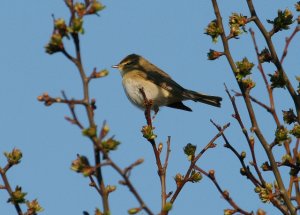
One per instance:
(211,144)
(288,41)
(270,109)
(224,193)
(130,186)
(250,143)
(7,187)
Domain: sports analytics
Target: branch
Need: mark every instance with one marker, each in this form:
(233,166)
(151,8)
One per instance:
(224,193)
(246,97)
(211,144)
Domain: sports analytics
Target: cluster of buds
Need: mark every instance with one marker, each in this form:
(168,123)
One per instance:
(281,134)
(148,133)
(61,29)
(283,20)
(110,144)
(13,157)
(33,207)
(178,179)
(17,196)
(213,30)
(286,159)
(82,165)
(277,80)
(90,132)
(213,55)
(265,194)
(266,166)
(244,68)
(87,8)
(47,99)
(110,188)
(248,83)
(296,131)
(190,150)
(264,56)
(195,176)
(237,24)
(288,116)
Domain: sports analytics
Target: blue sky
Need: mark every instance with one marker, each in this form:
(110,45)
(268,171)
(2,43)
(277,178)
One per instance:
(170,35)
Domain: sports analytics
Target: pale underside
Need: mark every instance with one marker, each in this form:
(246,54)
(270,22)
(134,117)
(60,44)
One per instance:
(156,94)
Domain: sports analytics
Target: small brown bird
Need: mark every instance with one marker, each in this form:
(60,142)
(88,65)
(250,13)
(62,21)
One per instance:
(138,73)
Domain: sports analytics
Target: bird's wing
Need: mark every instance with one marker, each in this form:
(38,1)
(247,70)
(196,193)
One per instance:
(163,81)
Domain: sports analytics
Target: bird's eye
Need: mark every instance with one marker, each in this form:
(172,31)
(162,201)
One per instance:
(128,63)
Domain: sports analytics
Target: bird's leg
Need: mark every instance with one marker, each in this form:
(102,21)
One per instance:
(156,109)
(148,105)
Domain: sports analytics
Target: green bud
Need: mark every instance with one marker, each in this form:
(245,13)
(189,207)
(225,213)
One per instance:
(265,194)
(237,23)
(80,8)
(244,68)
(281,134)
(13,157)
(248,83)
(80,164)
(101,73)
(178,179)
(195,176)
(243,171)
(286,159)
(18,196)
(229,212)
(265,56)
(289,117)
(296,131)
(33,207)
(110,188)
(282,21)
(213,30)
(147,132)
(77,26)
(134,210)
(168,206)
(55,44)
(90,132)
(257,189)
(277,80)
(95,7)
(60,25)
(190,150)
(266,167)
(243,154)
(110,144)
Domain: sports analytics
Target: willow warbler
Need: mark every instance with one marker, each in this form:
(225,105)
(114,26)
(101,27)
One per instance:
(138,73)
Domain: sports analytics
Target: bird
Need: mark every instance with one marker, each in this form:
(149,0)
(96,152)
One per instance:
(139,77)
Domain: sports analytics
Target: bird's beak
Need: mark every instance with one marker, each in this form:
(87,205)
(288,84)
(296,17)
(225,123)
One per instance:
(115,66)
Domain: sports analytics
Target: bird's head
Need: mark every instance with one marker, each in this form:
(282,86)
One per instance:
(129,63)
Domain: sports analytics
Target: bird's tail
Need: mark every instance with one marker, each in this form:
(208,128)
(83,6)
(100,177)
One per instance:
(199,97)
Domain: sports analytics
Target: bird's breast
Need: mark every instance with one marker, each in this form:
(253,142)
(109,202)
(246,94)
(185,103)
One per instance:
(132,86)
